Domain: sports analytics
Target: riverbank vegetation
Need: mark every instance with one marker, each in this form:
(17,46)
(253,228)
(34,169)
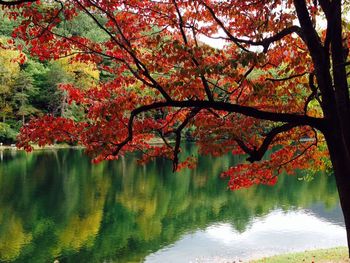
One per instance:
(30,87)
(331,255)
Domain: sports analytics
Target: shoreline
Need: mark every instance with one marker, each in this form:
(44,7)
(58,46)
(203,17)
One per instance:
(329,255)
(36,147)
(12,147)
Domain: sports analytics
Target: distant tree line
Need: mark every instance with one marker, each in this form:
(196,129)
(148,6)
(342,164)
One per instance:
(30,87)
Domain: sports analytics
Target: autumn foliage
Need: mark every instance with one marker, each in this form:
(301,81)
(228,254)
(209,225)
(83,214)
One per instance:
(254,92)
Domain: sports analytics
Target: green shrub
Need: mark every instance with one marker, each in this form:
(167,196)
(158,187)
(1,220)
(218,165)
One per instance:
(7,134)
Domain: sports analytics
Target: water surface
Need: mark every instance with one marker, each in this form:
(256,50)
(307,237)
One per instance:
(56,205)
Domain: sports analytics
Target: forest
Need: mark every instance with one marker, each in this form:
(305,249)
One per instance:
(30,87)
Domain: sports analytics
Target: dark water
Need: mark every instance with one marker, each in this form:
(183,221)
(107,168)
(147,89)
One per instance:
(55,205)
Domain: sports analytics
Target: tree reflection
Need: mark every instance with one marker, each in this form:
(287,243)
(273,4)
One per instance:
(55,204)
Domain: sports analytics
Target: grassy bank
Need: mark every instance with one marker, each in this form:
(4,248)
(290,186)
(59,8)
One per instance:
(332,255)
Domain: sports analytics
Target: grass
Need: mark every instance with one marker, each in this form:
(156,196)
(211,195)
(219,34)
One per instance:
(332,255)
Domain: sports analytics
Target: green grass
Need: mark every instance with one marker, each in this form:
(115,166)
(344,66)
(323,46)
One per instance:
(332,255)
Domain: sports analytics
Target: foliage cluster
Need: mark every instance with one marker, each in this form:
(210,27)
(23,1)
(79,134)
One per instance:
(30,87)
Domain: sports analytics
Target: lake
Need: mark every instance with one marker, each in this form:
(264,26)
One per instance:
(56,205)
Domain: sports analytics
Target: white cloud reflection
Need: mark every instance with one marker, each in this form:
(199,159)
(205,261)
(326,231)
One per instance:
(278,232)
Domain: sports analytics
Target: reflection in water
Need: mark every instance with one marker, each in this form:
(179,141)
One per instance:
(278,232)
(56,205)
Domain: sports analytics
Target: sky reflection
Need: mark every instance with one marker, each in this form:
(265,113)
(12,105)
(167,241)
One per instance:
(276,233)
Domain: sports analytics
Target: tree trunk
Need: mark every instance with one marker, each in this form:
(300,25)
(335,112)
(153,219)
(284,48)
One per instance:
(340,158)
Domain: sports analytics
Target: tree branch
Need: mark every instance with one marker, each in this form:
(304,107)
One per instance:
(141,66)
(14,3)
(314,93)
(290,118)
(265,43)
(241,81)
(300,154)
(319,57)
(178,131)
(287,78)
(194,60)
(257,154)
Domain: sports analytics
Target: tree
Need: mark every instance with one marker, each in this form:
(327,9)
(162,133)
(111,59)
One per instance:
(279,82)
(9,71)
(23,89)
